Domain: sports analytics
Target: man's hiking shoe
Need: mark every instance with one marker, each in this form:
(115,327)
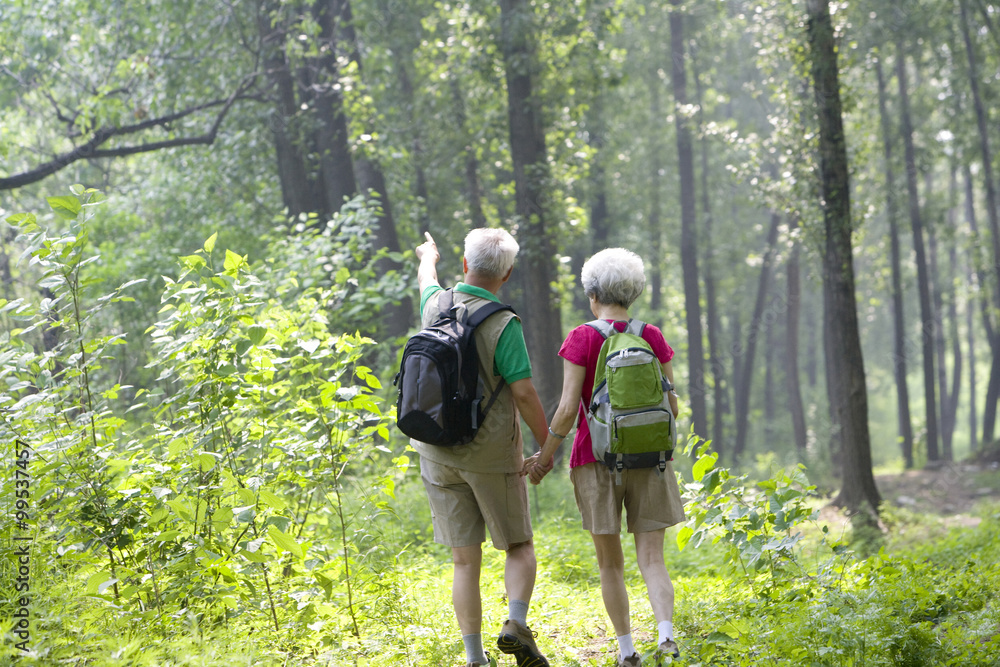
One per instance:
(632,661)
(668,647)
(490,662)
(519,641)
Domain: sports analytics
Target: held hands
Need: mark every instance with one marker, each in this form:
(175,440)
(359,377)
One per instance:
(428,248)
(535,469)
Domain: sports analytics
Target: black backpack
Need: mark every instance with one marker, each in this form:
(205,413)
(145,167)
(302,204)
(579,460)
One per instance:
(439,400)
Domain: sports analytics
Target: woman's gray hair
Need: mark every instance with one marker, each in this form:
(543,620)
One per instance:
(490,252)
(614,276)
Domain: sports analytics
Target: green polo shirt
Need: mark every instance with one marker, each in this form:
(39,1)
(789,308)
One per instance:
(510,361)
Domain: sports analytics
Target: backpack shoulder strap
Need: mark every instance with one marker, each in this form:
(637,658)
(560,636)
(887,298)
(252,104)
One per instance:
(446,301)
(602,327)
(480,315)
(635,327)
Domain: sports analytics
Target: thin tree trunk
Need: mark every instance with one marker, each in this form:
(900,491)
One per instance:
(655,223)
(842,336)
(956,354)
(898,319)
(370,178)
(332,133)
(719,395)
(542,327)
(792,347)
(937,303)
(757,323)
(769,410)
(416,145)
(923,279)
(473,190)
(970,219)
(291,164)
(812,359)
(689,244)
(993,390)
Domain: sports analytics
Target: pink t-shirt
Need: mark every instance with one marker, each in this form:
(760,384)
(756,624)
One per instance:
(582,347)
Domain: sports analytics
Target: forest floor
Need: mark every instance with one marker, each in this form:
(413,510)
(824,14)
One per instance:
(950,491)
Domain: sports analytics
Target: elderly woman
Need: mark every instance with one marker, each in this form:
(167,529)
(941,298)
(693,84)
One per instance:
(613,280)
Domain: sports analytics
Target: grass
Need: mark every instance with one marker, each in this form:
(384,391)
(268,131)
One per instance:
(917,601)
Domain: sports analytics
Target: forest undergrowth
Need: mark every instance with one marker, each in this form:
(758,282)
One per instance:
(253,506)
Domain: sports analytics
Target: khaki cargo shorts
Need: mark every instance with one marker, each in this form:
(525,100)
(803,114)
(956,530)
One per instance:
(463,503)
(652,500)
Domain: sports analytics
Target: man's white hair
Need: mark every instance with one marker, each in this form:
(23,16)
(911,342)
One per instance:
(490,252)
(614,276)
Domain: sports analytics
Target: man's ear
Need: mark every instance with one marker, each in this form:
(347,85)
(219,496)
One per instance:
(507,277)
(465,265)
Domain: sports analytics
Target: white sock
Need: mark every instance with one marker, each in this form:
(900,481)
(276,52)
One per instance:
(474,649)
(625,646)
(517,610)
(666,629)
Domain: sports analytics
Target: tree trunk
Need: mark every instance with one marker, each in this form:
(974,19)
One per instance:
(656,181)
(898,319)
(970,219)
(769,411)
(956,354)
(923,280)
(473,190)
(812,359)
(689,244)
(542,327)
(396,318)
(288,148)
(842,337)
(993,390)
(416,145)
(332,133)
(745,384)
(792,348)
(719,394)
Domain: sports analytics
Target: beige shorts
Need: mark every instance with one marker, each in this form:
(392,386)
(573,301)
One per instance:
(464,503)
(652,500)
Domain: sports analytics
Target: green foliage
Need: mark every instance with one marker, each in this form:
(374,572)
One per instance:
(756,521)
(247,469)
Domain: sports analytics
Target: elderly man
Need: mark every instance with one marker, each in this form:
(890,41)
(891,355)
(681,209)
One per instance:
(480,484)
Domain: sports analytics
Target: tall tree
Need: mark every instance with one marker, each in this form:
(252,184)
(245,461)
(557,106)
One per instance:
(744,383)
(655,225)
(542,327)
(689,240)
(849,394)
(970,219)
(714,322)
(898,319)
(792,382)
(993,389)
(923,277)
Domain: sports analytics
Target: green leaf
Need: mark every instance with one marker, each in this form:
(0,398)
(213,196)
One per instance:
(284,541)
(256,333)
(271,500)
(703,465)
(684,536)
(210,243)
(232,262)
(65,207)
(98,582)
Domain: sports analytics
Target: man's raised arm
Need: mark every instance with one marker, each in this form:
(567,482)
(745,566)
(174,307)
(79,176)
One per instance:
(427,253)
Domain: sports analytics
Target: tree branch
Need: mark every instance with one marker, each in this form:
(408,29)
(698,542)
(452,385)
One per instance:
(92,148)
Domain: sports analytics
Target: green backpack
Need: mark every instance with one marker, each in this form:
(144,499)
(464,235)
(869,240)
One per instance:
(631,423)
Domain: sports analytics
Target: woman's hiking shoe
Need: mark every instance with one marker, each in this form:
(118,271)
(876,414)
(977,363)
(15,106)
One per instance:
(632,661)
(490,662)
(668,647)
(518,640)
